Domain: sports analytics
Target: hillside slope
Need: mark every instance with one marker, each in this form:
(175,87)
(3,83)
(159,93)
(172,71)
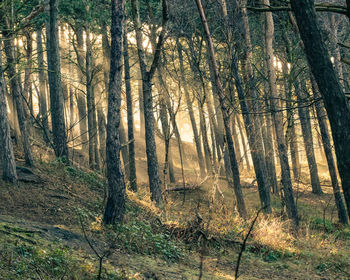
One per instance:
(50,228)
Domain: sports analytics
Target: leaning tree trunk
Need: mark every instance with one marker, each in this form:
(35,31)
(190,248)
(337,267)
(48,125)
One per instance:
(130,116)
(278,121)
(226,117)
(115,207)
(327,146)
(17,94)
(8,159)
(56,95)
(335,101)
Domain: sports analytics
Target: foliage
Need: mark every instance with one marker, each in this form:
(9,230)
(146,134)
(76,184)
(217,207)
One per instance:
(139,237)
(19,260)
(90,178)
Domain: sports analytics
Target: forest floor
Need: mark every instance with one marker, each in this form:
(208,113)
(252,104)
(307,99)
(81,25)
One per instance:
(50,226)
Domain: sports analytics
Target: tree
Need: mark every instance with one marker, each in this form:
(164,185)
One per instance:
(56,94)
(278,121)
(8,159)
(147,75)
(131,139)
(235,171)
(116,186)
(334,99)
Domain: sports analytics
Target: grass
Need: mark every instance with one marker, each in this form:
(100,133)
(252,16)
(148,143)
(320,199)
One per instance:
(148,240)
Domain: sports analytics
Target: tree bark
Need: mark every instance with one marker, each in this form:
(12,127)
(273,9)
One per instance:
(90,98)
(115,207)
(8,159)
(81,97)
(147,75)
(56,95)
(252,123)
(326,139)
(235,170)
(278,121)
(17,95)
(304,116)
(335,101)
(130,116)
(190,112)
(291,137)
(43,113)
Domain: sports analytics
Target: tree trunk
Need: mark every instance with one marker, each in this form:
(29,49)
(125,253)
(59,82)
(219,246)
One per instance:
(191,113)
(27,87)
(235,141)
(8,159)
(43,113)
(130,116)
(235,170)
(245,149)
(252,123)
(335,101)
(291,137)
(304,116)
(92,130)
(17,94)
(81,98)
(101,120)
(147,75)
(204,133)
(278,121)
(327,146)
(124,148)
(56,95)
(115,207)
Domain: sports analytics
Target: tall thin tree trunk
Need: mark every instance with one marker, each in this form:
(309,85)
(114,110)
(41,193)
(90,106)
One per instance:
(326,138)
(27,87)
(101,122)
(204,133)
(245,148)
(304,116)
(17,94)
(130,116)
(90,101)
(336,103)
(278,121)
(124,148)
(43,113)
(235,170)
(115,207)
(56,95)
(249,103)
(81,98)
(191,113)
(141,109)
(291,137)
(8,159)
(147,75)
